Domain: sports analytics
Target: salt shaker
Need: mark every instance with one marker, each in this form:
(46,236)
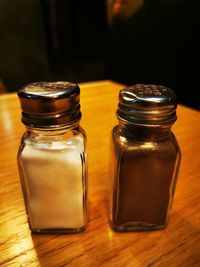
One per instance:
(52,158)
(145,158)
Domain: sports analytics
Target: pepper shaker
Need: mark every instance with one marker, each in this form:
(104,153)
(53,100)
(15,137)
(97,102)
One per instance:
(52,158)
(145,158)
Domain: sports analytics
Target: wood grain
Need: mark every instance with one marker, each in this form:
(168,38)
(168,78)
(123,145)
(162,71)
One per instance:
(177,245)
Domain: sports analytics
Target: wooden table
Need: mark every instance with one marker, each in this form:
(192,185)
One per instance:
(177,245)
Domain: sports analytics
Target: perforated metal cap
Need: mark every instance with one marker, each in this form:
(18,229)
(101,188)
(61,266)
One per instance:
(147,104)
(48,104)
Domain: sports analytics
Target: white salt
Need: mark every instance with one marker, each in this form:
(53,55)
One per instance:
(55,185)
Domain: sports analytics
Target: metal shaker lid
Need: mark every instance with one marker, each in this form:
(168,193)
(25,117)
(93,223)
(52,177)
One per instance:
(147,105)
(50,104)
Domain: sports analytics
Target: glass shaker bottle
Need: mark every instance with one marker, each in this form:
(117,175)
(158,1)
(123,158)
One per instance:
(52,158)
(145,158)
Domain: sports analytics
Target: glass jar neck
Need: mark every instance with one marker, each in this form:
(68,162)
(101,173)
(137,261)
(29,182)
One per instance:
(52,131)
(144,132)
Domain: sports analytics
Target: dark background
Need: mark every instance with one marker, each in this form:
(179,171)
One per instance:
(129,41)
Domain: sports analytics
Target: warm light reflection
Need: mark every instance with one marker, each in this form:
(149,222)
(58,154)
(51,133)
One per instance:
(6,119)
(122,139)
(23,245)
(110,234)
(148,145)
(145,145)
(123,8)
(21,248)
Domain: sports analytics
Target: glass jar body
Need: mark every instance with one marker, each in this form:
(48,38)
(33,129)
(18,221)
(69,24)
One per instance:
(53,171)
(144,166)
